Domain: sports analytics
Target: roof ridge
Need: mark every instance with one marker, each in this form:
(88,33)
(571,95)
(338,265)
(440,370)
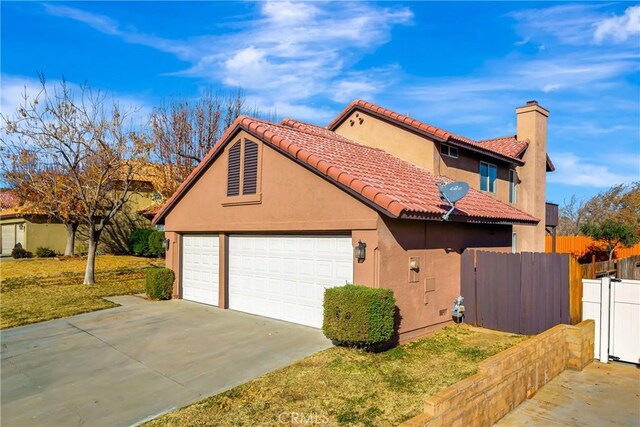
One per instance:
(322,135)
(498,137)
(433,131)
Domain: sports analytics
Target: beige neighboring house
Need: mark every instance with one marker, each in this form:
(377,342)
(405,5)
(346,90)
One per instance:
(276,213)
(32,229)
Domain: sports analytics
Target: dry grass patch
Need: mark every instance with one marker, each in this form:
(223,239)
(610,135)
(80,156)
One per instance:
(350,387)
(42,289)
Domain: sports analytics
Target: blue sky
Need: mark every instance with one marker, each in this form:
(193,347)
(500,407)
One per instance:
(460,66)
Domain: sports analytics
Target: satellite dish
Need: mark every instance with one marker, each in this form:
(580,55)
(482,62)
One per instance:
(452,193)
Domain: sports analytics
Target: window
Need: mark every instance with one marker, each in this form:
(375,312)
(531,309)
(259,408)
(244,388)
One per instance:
(250,181)
(242,172)
(514,243)
(488,177)
(233,174)
(449,151)
(513,189)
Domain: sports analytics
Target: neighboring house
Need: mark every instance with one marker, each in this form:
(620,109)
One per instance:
(20,224)
(272,215)
(30,229)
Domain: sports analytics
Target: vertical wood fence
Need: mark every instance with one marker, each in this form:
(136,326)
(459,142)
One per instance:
(578,244)
(524,293)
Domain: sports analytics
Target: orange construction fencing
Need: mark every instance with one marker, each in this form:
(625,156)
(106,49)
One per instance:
(578,244)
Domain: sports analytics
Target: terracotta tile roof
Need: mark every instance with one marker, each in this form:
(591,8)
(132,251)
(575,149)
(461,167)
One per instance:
(150,211)
(508,148)
(383,181)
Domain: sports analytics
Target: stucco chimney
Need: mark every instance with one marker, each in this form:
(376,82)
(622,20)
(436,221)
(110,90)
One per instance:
(531,123)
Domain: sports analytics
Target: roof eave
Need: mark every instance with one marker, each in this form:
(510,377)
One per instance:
(467,219)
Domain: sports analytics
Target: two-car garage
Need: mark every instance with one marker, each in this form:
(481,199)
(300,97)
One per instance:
(277,276)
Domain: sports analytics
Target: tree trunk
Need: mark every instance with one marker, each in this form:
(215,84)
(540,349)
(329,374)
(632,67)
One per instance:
(71,238)
(89,274)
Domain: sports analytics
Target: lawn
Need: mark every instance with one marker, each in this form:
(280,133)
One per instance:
(342,386)
(35,290)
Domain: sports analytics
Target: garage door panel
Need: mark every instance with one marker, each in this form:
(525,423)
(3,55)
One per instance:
(284,277)
(200,268)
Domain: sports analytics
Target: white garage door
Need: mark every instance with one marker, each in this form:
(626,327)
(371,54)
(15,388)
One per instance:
(200,268)
(8,238)
(284,277)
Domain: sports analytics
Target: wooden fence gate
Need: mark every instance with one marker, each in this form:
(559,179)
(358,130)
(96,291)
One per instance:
(524,293)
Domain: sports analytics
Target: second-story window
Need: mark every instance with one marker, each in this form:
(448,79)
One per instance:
(513,186)
(449,151)
(488,177)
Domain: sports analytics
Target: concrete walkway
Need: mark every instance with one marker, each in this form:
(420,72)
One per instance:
(121,366)
(601,395)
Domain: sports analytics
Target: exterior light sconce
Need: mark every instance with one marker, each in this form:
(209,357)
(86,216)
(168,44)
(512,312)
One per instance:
(21,227)
(360,251)
(165,244)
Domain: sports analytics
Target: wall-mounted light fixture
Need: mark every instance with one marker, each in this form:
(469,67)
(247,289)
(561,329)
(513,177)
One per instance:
(165,244)
(21,226)
(360,251)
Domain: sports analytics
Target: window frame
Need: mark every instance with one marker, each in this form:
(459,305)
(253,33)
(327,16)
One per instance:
(513,186)
(241,198)
(488,177)
(448,151)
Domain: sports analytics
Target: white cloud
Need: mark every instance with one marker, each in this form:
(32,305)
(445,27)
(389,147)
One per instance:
(619,28)
(291,52)
(582,172)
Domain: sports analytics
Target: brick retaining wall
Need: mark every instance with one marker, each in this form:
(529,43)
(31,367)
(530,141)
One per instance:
(508,378)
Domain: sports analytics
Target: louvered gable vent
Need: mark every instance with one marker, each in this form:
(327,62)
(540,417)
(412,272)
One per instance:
(250,181)
(233,177)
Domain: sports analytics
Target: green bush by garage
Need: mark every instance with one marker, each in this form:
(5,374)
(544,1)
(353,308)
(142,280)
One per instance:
(159,283)
(359,316)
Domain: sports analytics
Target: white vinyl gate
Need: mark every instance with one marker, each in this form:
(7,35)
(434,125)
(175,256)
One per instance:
(614,305)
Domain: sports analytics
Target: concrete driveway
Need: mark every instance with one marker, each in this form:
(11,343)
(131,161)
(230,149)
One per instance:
(128,364)
(601,395)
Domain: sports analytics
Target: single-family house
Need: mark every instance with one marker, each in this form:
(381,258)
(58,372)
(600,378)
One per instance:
(275,213)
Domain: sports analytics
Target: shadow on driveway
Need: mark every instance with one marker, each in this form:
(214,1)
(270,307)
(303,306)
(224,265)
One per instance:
(128,364)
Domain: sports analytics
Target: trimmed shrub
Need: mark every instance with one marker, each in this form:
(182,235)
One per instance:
(45,252)
(359,316)
(156,240)
(139,241)
(19,252)
(158,282)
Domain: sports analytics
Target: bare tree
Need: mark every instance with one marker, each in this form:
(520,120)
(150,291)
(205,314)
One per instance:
(571,216)
(41,189)
(184,131)
(87,142)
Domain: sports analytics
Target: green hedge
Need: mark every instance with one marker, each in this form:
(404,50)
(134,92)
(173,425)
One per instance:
(156,240)
(45,252)
(359,315)
(139,241)
(159,283)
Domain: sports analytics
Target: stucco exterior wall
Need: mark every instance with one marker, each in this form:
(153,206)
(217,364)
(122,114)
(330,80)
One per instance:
(467,168)
(532,124)
(293,199)
(425,299)
(53,236)
(368,130)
